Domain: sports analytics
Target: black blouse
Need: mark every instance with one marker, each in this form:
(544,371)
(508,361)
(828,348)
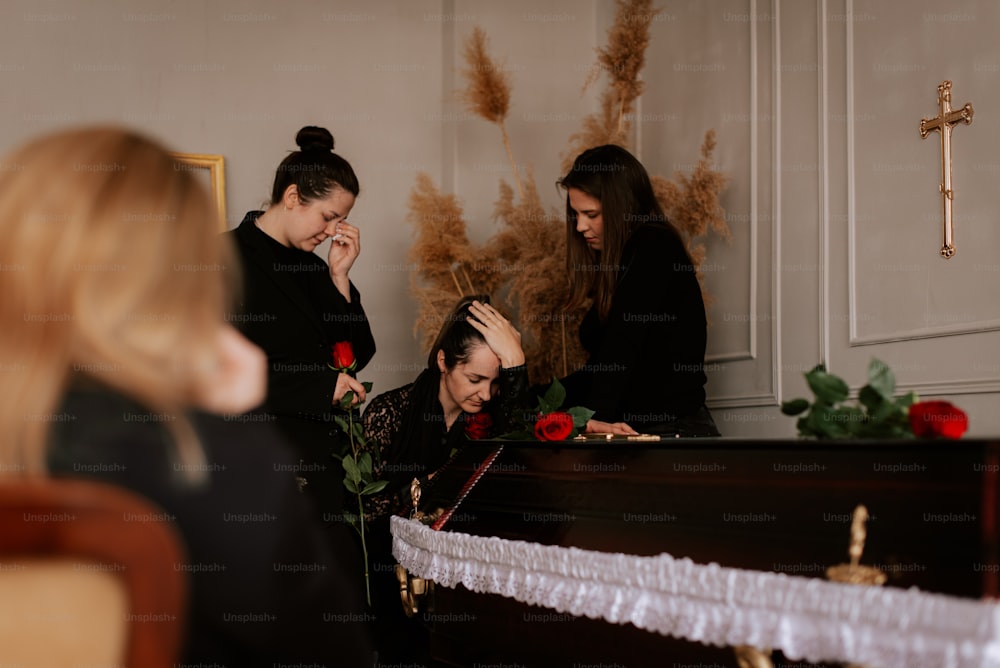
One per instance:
(291,309)
(406,433)
(255,548)
(646,359)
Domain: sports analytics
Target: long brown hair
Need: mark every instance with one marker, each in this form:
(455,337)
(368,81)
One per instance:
(111,270)
(616,179)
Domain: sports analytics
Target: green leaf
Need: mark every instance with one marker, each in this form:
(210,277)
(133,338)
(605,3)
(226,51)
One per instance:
(359,433)
(374,487)
(795,406)
(885,411)
(351,467)
(351,486)
(342,423)
(365,463)
(367,385)
(346,401)
(871,398)
(554,396)
(825,423)
(581,416)
(881,378)
(802,424)
(827,387)
(907,400)
(851,419)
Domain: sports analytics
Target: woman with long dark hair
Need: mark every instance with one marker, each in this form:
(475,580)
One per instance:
(474,381)
(646,329)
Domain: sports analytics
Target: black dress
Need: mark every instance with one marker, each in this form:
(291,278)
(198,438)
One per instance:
(406,425)
(291,309)
(645,361)
(268,587)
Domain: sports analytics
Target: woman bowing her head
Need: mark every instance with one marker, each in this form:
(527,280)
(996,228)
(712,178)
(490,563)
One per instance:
(117,364)
(297,307)
(474,381)
(645,332)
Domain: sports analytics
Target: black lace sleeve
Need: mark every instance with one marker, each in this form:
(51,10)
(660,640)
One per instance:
(381,421)
(513,400)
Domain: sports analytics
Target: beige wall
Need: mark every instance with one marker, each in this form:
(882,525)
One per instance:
(834,203)
(240,78)
(832,199)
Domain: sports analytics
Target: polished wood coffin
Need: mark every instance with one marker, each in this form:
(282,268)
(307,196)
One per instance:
(780,506)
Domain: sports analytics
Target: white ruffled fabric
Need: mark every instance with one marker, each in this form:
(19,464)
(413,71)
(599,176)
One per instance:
(805,618)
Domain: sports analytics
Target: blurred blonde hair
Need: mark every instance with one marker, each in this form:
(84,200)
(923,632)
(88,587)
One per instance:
(111,270)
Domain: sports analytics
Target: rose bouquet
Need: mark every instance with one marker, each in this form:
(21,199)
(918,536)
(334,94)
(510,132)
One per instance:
(548,422)
(878,412)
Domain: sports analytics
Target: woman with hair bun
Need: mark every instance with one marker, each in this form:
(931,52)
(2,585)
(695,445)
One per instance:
(117,364)
(296,306)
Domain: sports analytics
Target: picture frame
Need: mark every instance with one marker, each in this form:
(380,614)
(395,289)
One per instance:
(211,170)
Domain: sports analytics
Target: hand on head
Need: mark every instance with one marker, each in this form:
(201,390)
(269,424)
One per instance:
(501,336)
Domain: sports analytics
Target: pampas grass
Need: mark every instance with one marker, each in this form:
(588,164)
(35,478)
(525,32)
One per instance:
(535,241)
(692,202)
(522,266)
(441,252)
(488,91)
(622,59)
(692,205)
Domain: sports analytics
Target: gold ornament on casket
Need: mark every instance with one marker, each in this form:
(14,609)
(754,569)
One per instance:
(413,589)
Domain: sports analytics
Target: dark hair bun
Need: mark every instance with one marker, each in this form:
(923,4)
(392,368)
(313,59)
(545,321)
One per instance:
(312,138)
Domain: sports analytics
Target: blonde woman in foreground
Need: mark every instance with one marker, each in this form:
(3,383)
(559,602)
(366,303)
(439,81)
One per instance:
(116,364)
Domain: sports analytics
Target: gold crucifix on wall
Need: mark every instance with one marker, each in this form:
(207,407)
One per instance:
(943,122)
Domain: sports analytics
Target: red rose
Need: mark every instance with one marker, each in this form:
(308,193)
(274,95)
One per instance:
(478,425)
(556,426)
(931,419)
(343,356)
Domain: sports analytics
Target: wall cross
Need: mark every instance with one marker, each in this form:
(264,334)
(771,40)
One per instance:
(943,123)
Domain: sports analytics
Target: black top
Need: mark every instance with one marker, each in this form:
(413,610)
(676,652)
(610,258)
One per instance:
(268,586)
(292,310)
(407,427)
(646,359)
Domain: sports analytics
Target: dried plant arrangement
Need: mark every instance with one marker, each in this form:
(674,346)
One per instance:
(691,203)
(532,245)
(622,59)
(442,253)
(488,92)
(527,254)
(524,262)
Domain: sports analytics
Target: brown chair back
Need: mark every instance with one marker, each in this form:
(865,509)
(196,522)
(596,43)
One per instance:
(88,559)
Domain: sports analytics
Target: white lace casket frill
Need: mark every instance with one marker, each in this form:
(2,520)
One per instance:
(805,618)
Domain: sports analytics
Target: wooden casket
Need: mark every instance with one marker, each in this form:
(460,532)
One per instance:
(769,506)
